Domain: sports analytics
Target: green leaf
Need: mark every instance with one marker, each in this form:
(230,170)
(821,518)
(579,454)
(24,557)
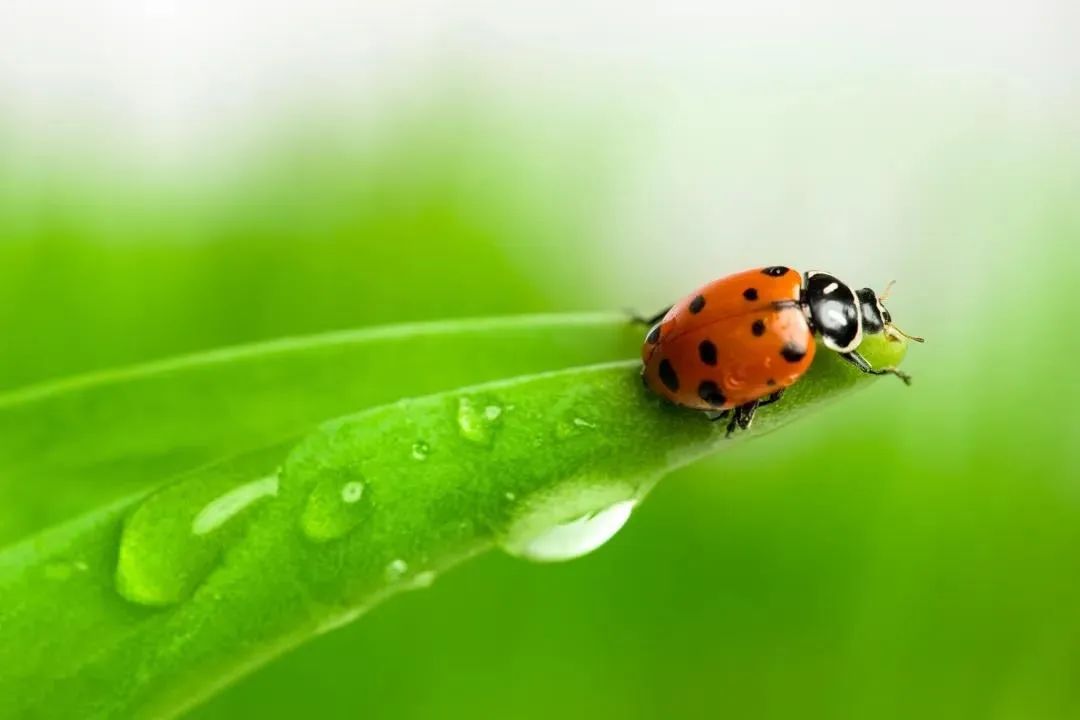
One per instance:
(95,439)
(145,608)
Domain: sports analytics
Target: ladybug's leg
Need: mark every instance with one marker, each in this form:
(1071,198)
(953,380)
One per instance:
(770,399)
(743,417)
(650,321)
(860,362)
(724,415)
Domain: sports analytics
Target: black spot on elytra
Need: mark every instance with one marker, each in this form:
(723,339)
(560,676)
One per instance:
(697,304)
(668,376)
(758,328)
(750,294)
(710,393)
(654,335)
(707,352)
(793,353)
(770,382)
(775,271)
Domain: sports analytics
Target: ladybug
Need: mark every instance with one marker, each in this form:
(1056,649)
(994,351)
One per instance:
(737,343)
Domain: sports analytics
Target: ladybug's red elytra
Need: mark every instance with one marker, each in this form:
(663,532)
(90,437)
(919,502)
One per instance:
(737,343)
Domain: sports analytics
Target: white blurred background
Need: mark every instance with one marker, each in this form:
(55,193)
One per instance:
(818,134)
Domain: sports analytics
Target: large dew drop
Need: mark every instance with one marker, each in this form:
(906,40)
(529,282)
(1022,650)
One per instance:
(563,528)
(176,537)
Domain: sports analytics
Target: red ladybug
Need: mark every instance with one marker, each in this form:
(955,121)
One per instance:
(738,342)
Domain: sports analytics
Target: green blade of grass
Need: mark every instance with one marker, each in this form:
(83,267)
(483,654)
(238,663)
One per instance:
(145,608)
(95,439)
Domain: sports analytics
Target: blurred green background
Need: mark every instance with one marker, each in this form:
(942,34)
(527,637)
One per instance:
(909,552)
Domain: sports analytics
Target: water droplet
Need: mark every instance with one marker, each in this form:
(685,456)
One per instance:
(420,450)
(575,538)
(574,426)
(423,579)
(334,506)
(396,570)
(175,538)
(475,423)
(397,573)
(571,523)
(351,492)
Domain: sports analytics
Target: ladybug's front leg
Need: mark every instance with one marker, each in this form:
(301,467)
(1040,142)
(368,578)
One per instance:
(743,415)
(863,364)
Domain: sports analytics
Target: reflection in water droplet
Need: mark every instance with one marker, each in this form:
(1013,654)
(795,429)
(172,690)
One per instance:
(420,450)
(351,492)
(176,537)
(477,424)
(219,510)
(572,539)
(396,570)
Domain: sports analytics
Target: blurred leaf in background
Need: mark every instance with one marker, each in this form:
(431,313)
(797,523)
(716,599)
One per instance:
(318,231)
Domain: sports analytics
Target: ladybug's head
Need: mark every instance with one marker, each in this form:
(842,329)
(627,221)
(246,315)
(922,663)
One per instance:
(875,318)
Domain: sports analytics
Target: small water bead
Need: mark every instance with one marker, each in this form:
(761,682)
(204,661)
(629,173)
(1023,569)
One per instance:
(335,506)
(396,570)
(423,579)
(574,426)
(420,450)
(475,423)
(351,492)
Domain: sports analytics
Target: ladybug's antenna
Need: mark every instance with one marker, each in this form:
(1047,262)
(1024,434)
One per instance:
(916,338)
(885,296)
